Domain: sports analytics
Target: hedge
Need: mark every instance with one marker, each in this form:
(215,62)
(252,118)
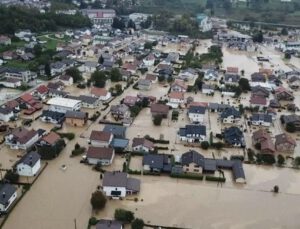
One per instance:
(151,173)
(134,172)
(217,179)
(157,140)
(187,176)
(69,136)
(161,148)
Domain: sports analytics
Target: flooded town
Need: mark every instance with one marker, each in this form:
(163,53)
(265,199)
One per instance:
(115,122)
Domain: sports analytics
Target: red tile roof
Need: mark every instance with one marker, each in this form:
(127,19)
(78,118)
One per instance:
(99,91)
(42,89)
(100,153)
(100,136)
(51,138)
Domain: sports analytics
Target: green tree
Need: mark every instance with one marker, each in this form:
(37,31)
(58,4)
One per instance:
(101,60)
(137,224)
(280,159)
(118,23)
(161,78)
(124,215)
(297,161)
(250,154)
(284,32)
(47,70)
(148,45)
(75,73)
(205,145)
(98,200)
(258,37)
(115,75)
(37,50)
(119,89)
(98,78)
(131,24)
(287,55)
(244,84)
(290,127)
(157,120)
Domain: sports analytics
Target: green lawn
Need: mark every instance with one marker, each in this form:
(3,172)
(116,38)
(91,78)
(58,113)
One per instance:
(18,64)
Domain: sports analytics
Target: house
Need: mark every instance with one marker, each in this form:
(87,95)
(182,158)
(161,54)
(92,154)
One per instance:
(52,117)
(8,55)
(258,77)
(173,57)
(188,74)
(118,185)
(231,79)
(142,145)
(179,86)
(149,60)
(283,94)
(119,111)
(100,138)
(53,93)
(30,102)
(101,93)
(125,74)
(144,84)
(76,118)
(263,138)
(29,165)
(10,82)
(131,67)
(258,101)
(192,162)
(130,101)
(89,66)
(259,119)
(66,79)
(159,109)
(89,101)
(4,40)
(42,92)
(285,143)
(176,99)
(196,114)
(59,85)
(291,119)
(192,133)
(234,136)
(217,107)
(100,155)
(12,104)
(260,91)
(157,163)
(19,73)
(208,89)
(63,105)
(232,70)
(294,82)
(108,224)
(50,139)
(274,103)
(57,68)
(21,138)
(230,115)
(116,130)
(7,197)
(204,22)
(6,114)
(211,75)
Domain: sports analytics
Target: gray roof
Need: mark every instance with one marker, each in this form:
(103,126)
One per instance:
(291,118)
(88,99)
(192,129)
(30,159)
(6,191)
(218,106)
(192,156)
(115,179)
(5,110)
(210,165)
(119,143)
(91,64)
(237,170)
(144,82)
(232,77)
(108,224)
(116,130)
(121,108)
(133,184)
(230,111)
(76,114)
(197,110)
(154,160)
(261,117)
(233,135)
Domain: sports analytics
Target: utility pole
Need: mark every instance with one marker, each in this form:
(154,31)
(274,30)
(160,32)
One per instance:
(75,224)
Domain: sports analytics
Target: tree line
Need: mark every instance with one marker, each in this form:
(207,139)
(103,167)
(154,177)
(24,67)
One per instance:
(15,18)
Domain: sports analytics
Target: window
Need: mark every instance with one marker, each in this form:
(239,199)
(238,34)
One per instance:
(196,170)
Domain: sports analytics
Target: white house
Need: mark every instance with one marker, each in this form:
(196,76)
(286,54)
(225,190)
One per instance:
(208,89)
(101,93)
(188,74)
(211,75)
(29,165)
(204,22)
(175,99)
(67,80)
(100,138)
(196,114)
(142,145)
(6,114)
(179,86)
(21,138)
(63,104)
(230,115)
(192,133)
(8,194)
(149,60)
(89,66)
(261,120)
(100,155)
(117,185)
(11,82)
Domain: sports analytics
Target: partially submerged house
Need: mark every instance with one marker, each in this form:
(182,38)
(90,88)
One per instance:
(29,165)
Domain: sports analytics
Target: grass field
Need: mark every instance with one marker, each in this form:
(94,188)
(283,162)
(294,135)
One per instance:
(18,64)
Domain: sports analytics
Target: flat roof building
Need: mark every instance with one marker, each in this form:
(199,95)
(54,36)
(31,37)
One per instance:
(64,104)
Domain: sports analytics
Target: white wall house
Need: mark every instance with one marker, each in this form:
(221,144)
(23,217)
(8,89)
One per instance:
(64,104)
(8,194)
(29,165)
(100,155)
(196,114)
(100,138)
(21,138)
(6,114)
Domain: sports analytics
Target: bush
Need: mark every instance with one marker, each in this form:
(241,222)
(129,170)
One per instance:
(12,176)
(205,145)
(268,159)
(137,224)
(218,145)
(290,127)
(160,141)
(237,157)
(78,151)
(157,120)
(276,189)
(69,136)
(135,172)
(216,179)
(187,176)
(98,200)
(93,221)
(280,159)
(124,215)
